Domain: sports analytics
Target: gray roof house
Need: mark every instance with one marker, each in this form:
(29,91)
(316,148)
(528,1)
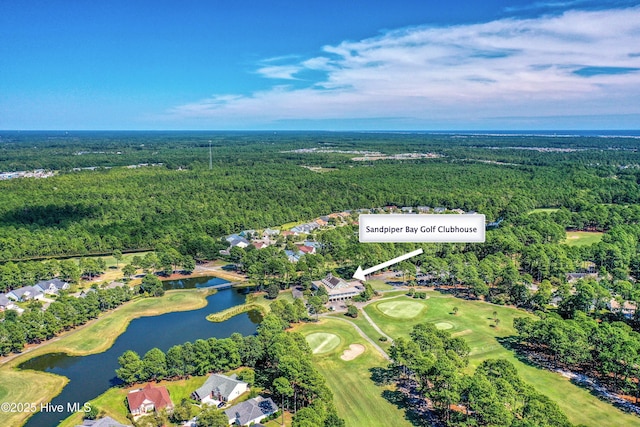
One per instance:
(52,286)
(25,293)
(4,302)
(239,241)
(102,422)
(251,411)
(221,388)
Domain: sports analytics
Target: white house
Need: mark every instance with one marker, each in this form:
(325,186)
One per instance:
(220,388)
(52,286)
(25,293)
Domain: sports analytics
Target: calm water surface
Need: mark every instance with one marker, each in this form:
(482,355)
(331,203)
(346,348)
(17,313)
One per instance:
(90,376)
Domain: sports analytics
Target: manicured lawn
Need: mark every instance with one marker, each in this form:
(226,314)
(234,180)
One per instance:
(94,337)
(582,238)
(401,308)
(358,400)
(475,323)
(544,210)
(379,285)
(322,342)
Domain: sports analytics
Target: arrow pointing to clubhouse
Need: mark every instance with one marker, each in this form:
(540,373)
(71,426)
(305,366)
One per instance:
(360,273)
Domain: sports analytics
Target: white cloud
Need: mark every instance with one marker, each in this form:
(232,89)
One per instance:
(280,71)
(509,67)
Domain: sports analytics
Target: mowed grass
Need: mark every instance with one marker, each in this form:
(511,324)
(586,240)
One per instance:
(582,238)
(358,400)
(544,210)
(475,323)
(379,285)
(322,342)
(401,308)
(94,337)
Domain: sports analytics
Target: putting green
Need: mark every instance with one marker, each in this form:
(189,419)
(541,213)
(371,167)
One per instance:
(444,325)
(322,342)
(401,309)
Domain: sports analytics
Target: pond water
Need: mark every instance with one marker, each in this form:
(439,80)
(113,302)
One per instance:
(90,376)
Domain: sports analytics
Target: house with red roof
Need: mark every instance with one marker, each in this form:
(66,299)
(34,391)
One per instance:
(149,399)
(307,249)
(259,244)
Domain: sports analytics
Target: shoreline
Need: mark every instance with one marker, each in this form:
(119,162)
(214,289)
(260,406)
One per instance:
(40,387)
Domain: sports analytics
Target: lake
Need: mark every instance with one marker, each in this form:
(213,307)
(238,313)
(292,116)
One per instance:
(90,376)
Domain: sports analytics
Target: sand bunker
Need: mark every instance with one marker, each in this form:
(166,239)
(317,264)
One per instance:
(352,352)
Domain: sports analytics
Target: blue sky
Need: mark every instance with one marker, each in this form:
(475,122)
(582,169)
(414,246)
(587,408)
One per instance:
(326,65)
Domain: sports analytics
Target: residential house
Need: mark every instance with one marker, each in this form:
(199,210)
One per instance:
(288,233)
(423,209)
(259,244)
(6,303)
(52,286)
(305,228)
(321,222)
(102,422)
(85,292)
(251,411)
(293,256)
(149,399)
(458,211)
(247,233)
(627,308)
(236,240)
(574,277)
(406,209)
(268,233)
(220,388)
(25,293)
(439,210)
(307,249)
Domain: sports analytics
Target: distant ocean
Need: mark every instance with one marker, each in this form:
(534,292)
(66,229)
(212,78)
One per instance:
(59,134)
(528,133)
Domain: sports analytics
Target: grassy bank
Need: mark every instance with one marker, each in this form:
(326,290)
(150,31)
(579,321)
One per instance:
(94,337)
(227,314)
(253,302)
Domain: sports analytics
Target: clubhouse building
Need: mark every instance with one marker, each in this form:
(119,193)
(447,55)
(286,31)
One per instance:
(338,288)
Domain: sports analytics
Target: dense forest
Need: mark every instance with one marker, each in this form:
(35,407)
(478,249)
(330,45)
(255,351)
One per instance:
(257,180)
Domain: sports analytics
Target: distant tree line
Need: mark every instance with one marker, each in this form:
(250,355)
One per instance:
(255,185)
